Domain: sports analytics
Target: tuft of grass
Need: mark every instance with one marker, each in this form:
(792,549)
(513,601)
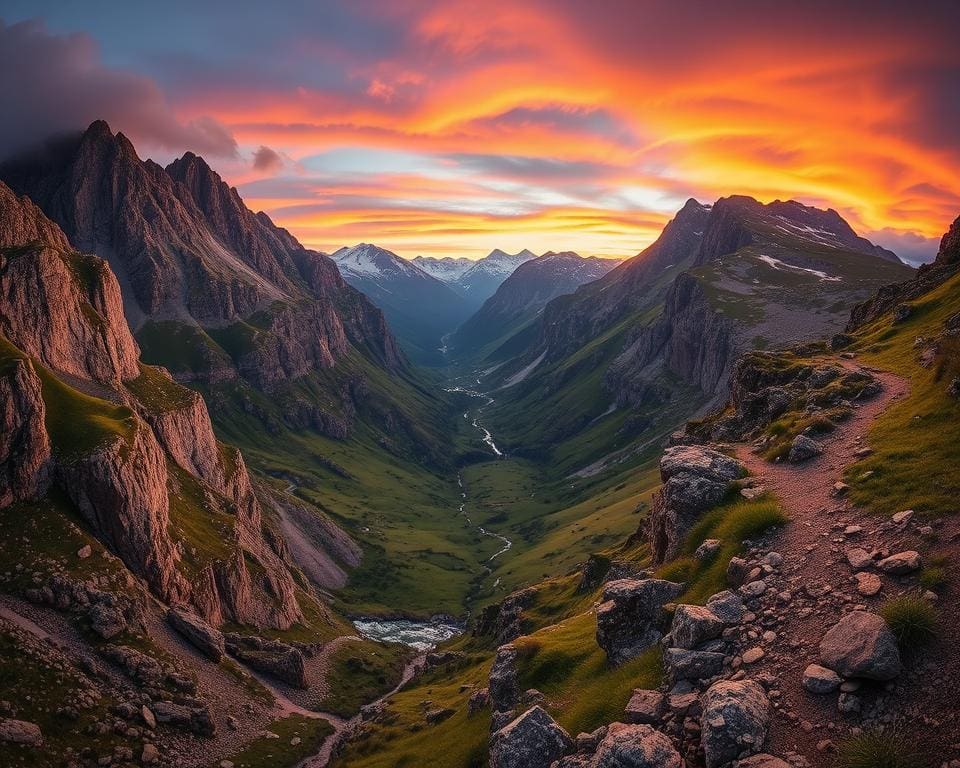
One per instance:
(875,749)
(732,523)
(934,577)
(912,620)
(361,672)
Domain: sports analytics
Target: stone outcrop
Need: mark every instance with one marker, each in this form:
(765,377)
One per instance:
(622,745)
(20,732)
(736,716)
(206,639)
(504,620)
(861,645)
(274,657)
(631,617)
(695,478)
(533,740)
(503,687)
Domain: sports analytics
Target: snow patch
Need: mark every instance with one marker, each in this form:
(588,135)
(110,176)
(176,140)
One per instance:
(780,265)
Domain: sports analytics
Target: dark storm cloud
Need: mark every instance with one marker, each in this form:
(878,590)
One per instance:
(57,83)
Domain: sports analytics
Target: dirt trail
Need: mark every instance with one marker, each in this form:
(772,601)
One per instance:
(816,571)
(343,728)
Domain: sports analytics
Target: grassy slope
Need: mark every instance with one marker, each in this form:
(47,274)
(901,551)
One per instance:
(916,441)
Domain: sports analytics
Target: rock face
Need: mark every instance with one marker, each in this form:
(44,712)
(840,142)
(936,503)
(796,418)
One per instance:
(24,443)
(861,645)
(503,687)
(188,248)
(630,619)
(695,479)
(736,716)
(533,740)
(116,428)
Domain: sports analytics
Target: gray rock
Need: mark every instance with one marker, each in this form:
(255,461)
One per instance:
(533,740)
(736,715)
(803,448)
(708,550)
(645,707)
(106,620)
(695,478)
(859,558)
(727,606)
(861,645)
(901,563)
(738,571)
(503,687)
(682,664)
(754,588)
(902,518)
(635,746)
(631,617)
(20,732)
(693,625)
(206,639)
(820,680)
(478,700)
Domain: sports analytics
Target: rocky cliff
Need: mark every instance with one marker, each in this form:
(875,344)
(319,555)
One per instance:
(186,249)
(80,411)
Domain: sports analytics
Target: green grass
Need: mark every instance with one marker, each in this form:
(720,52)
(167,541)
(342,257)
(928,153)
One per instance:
(179,347)
(158,393)
(207,532)
(361,672)
(935,575)
(876,749)
(263,752)
(582,690)
(916,440)
(912,619)
(732,522)
(403,738)
(79,424)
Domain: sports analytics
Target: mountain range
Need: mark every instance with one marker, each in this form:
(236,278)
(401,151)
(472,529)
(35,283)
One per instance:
(507,315)
(218,465)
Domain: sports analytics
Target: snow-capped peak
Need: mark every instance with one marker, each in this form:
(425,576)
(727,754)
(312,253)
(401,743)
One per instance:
(370,260)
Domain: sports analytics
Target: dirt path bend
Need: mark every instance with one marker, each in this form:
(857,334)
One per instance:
(814,587)
(344,728)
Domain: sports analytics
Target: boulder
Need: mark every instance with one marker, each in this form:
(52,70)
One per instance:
(682,664)
(708,550)
(478,700)
(861,645)
(645,707)
(20,732)
(106,620)
(727,606)
(695,478)
(533,740)
(693,625)
(820,680)
(635,746)
(901,563)
(274,657)
(762,761)
(868,584)
(149,755)
(206,639)
(803,448)
(631,617)
(148,717)
(736,715)
(859,558)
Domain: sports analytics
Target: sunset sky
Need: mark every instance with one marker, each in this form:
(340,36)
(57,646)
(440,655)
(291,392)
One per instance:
(451,128)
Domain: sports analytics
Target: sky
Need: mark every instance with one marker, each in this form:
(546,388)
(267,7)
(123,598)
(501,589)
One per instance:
(452,128)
